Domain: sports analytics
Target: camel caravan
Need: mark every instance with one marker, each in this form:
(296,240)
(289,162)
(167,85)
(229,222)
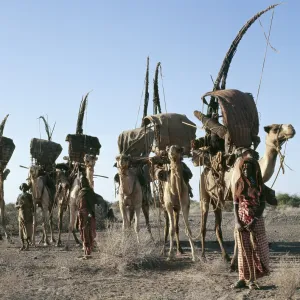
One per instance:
(151,170)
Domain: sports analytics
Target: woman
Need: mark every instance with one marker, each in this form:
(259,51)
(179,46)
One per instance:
(86,216)
(25,208)
(249,204)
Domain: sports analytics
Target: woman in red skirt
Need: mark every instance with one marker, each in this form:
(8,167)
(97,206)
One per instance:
(249,204)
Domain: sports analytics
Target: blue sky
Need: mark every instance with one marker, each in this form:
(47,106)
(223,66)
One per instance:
(53,52)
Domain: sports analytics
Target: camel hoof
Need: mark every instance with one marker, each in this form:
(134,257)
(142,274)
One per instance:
(178,253)
(53,241)
(22,248)
(226,258)
(203,258)
(58,244)
(67,248)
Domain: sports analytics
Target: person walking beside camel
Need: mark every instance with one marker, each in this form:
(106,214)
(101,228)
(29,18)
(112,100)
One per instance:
(249,204)
(86,216)
(25,208)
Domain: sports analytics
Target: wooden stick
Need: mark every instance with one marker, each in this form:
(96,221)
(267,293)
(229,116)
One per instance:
(23,167)
(101,176)
(192,125)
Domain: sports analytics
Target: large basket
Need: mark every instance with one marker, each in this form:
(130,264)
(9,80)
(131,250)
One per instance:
(44,152)
(240,115)
(81,144)
(7,148)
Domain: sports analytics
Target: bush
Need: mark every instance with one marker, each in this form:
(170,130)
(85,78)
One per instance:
(288,200)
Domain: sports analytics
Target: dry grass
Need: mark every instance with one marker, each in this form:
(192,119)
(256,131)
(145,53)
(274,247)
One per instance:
(287,277)
(125,253)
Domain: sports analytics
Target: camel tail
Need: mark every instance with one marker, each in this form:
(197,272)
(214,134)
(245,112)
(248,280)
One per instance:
(146,97)
(2,125)
(222,75)
(83,104)
(156,99)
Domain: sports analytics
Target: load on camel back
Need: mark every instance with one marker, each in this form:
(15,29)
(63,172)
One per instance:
(7,148)
(83,152)
(41,180)
(224,145)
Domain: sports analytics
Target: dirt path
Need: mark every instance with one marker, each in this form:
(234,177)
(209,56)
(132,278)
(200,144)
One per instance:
(53,273)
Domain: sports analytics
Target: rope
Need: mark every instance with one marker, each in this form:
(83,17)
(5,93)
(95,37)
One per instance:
(137,117)
(162,84)
(282,157)
(263,66)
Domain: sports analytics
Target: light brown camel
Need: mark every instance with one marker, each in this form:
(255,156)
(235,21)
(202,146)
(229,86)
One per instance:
(130,193)
(61,198)
(176,197)
(6,150)
(42,197)
(276,136)
(89,163)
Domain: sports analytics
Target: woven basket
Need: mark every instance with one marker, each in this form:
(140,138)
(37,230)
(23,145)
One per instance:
(81,144)
(7,148)
(45,152)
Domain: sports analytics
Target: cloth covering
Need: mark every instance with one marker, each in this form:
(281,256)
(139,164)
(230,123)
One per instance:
(136,142)
(169,130)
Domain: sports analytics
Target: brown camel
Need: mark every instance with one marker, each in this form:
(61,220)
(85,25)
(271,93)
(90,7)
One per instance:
(176,197)
(276,136)
(42,196)
(130,193)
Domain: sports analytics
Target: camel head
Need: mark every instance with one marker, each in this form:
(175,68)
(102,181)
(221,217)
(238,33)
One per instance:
(175,153)
(277,134)
(34,171)
(90,160)
(123,162)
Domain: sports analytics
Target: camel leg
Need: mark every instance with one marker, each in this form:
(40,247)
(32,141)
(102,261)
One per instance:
(218,230)
(34,223)
(145,208)
(179,249)
(52,240)
(45,213)
(233,262)
(126,222)
(166,232)
(60,218)
(185,213)
(2,212)
(137,223)
(131,215)
(204,214)
(169,209)
(73,219)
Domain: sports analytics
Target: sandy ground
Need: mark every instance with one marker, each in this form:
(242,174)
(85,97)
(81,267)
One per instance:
(53,273)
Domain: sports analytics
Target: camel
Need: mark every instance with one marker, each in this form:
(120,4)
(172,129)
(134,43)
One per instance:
(3,176)
(176,197)
(89,163)
(145,204)
(6,150)
(61,198)
(277,135)
(130,193)
(41,195)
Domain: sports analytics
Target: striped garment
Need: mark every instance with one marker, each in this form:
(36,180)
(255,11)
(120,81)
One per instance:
(253,252)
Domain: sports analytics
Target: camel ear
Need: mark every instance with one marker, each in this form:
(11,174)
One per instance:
(267,129)
(96,158)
